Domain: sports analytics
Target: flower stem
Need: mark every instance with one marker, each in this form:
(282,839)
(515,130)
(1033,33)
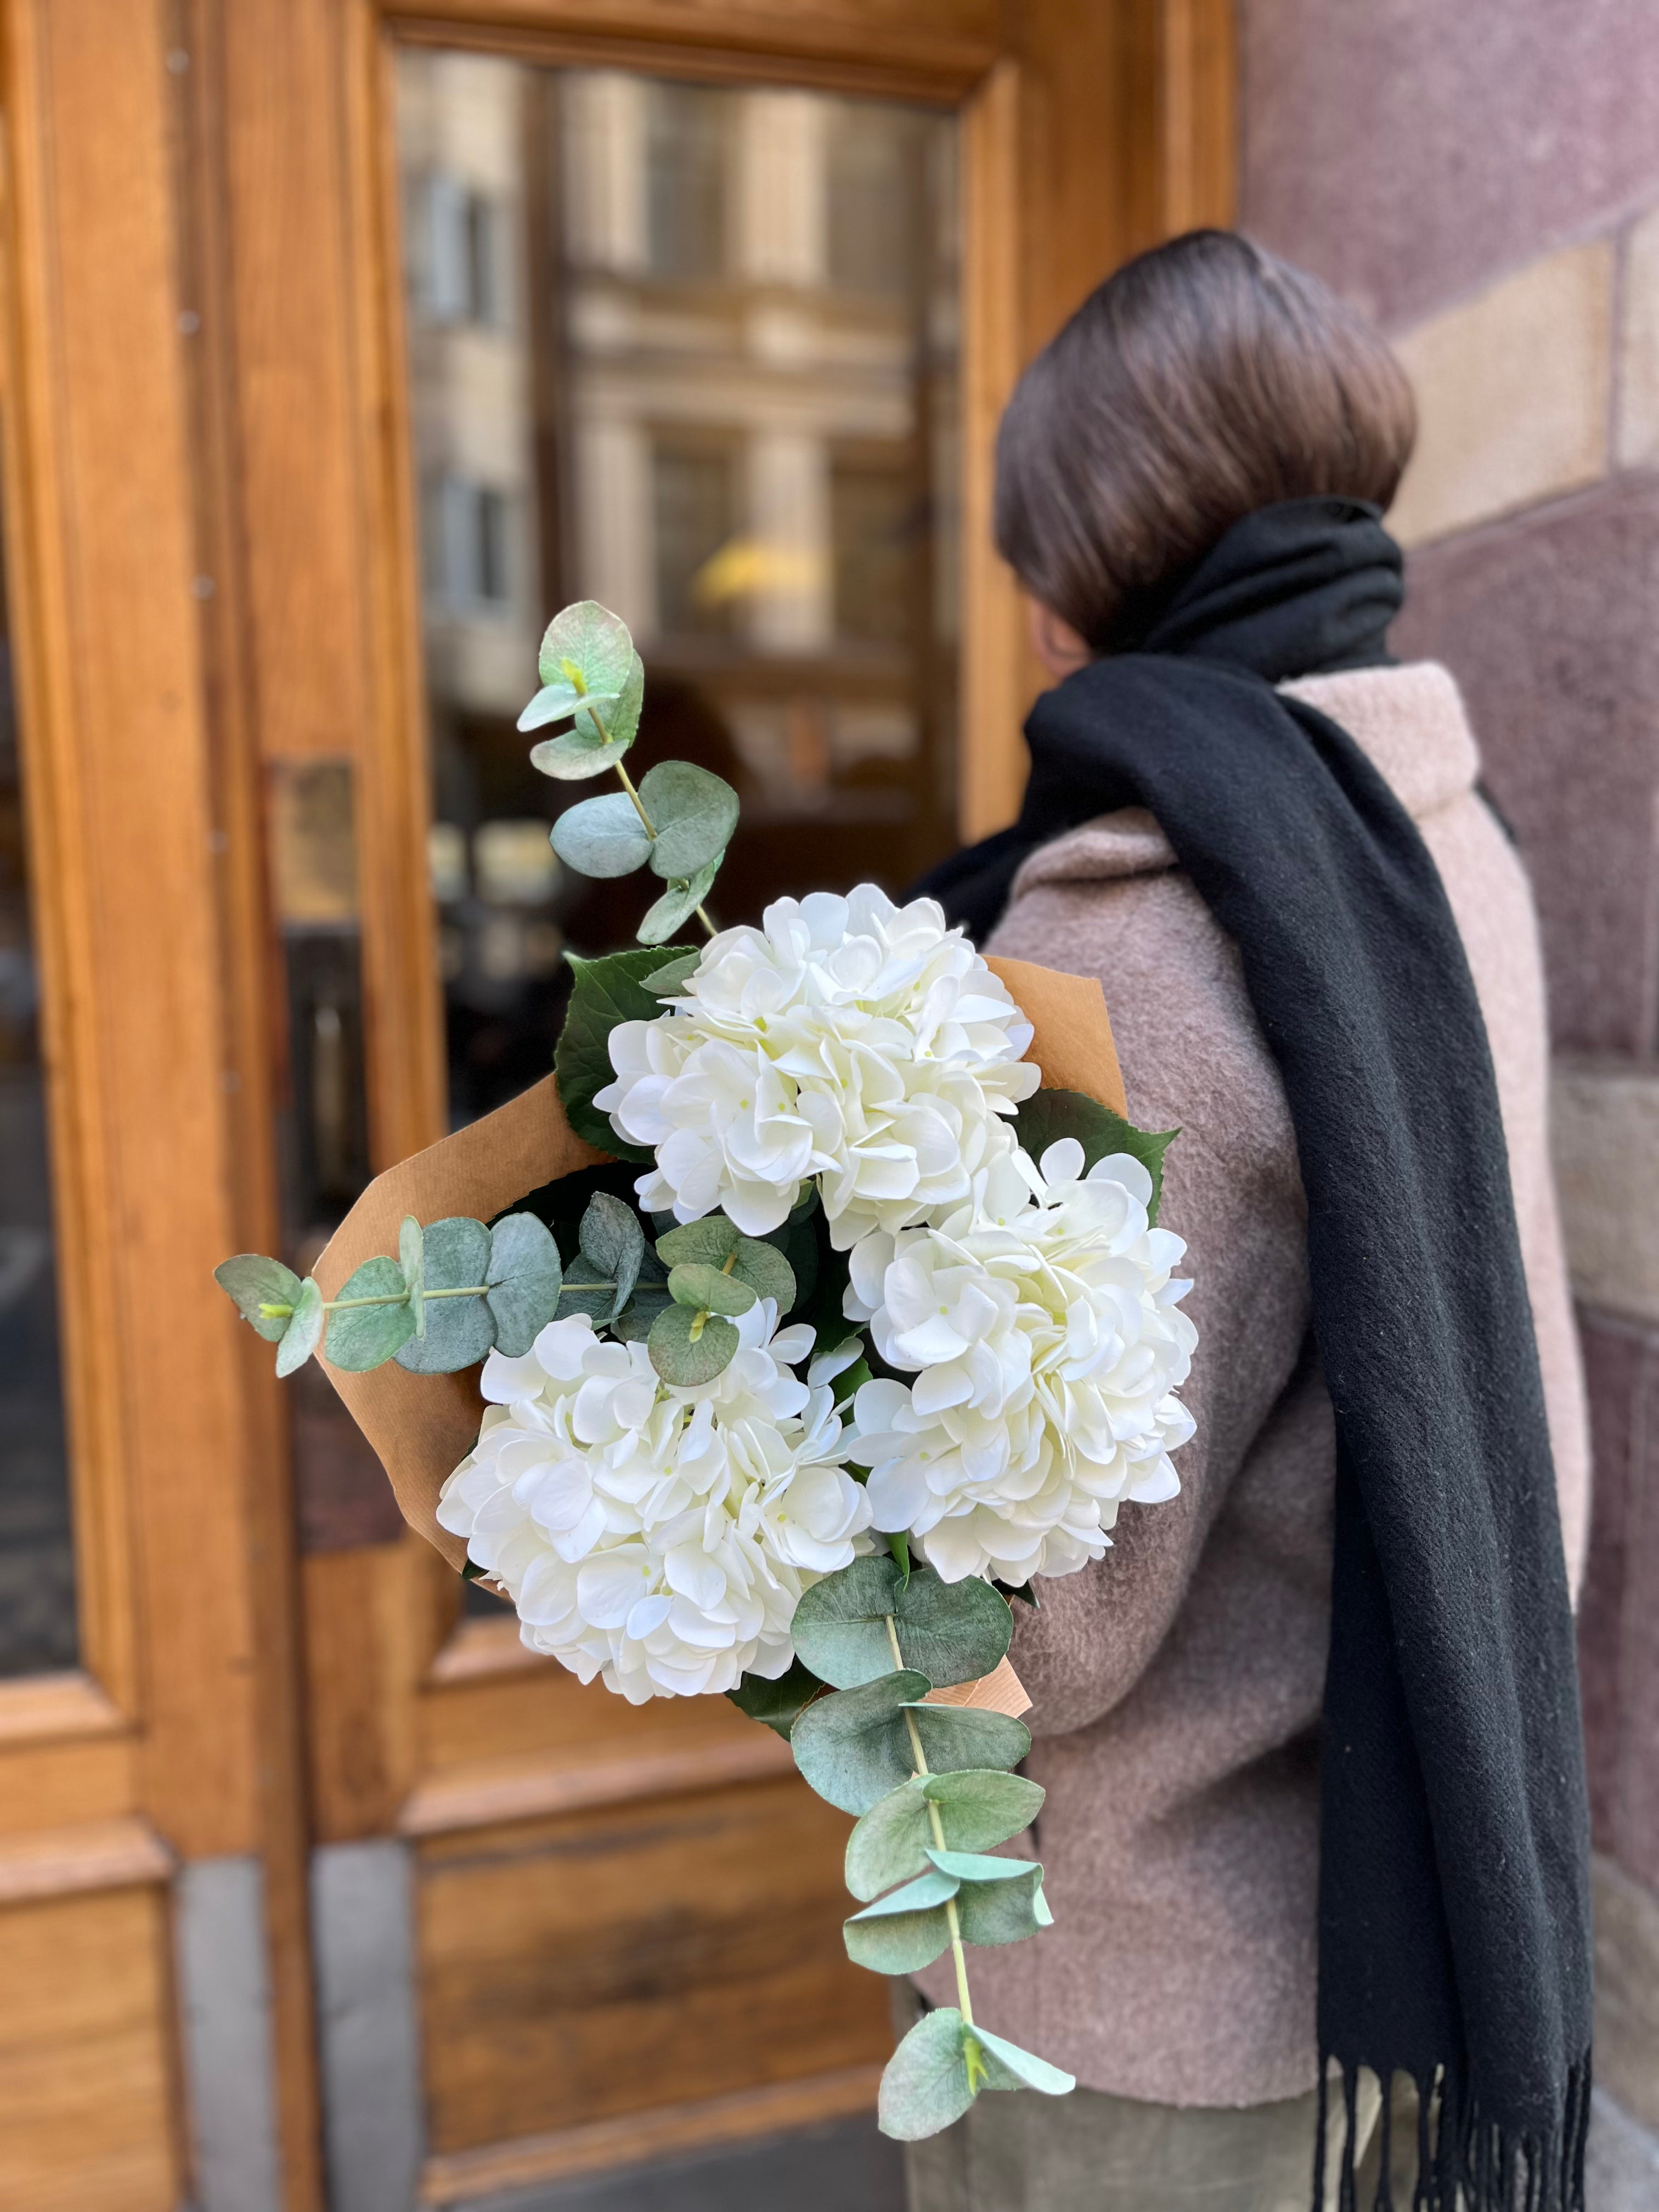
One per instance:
(627,782)
(401,1298)
(964,2003)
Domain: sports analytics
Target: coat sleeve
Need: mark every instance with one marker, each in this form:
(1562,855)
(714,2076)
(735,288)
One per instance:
(1194,1059)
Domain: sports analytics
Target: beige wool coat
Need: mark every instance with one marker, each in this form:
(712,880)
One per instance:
(1177,1683)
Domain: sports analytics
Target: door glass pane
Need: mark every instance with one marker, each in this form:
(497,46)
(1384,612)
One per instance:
(691,350)
(37,1565)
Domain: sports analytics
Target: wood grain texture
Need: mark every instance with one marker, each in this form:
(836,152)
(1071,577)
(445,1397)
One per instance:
(368,1630)
(115,1854)
(630,1958)
(86,2091)
(482,1793)
(460,2176)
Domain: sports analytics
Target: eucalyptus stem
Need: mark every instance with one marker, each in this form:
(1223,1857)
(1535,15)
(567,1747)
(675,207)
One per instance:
(401,1298)
(964,2003)
(648,825)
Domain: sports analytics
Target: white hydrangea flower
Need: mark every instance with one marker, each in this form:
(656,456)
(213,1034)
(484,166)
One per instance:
(1046,1330)
(850,1039)
(656,1536)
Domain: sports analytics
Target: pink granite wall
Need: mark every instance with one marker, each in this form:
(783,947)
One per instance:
(1482,176)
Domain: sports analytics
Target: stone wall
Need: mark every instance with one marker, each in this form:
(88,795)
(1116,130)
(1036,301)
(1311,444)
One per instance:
(1483,178)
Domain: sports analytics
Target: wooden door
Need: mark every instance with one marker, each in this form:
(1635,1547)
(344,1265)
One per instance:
(337,337)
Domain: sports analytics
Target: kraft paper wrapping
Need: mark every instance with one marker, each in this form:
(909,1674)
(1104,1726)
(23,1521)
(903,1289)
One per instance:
(423,1425)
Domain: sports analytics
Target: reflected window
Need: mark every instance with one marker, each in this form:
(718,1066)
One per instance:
(691,350)
(37,1562)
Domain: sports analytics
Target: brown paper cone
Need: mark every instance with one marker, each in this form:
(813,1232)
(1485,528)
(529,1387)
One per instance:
(423,1425)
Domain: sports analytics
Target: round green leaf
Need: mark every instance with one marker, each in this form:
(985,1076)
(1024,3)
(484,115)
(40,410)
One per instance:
(557,701)
(926,2085)
(634,1323)
(686,1361)
(524,1278)
(678,901)
(709,1242)
(956,1736)
(950,1632)
(976,1809)
(602,836)
(673,975)
(767,1273)
(693,813)
(993,1912)
(459,1332)
(411,1258)
(855,1747)
(254,1281)
(363,1337)
(706,1290)
(586,640)
(1008,2066)
(904,1933)
(301,1338)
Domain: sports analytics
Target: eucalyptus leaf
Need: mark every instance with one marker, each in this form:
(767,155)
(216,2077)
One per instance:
(558,700)
(693,813)
(709,1242)
(1008,2066)
(678,901)
(611,1237)
(682,1359)
(708,1289)
(766,1271)
(301,1338)
(921,1895)
(777,1704)
(576,1299)
(853,1747)
(603,993)
(979,1866)
(926,2085)
(901,1934)
(990,1913)
(1049,1116)
(950,1632)
(976,1809)
(252,1281)
(364,1337)
(459,1332)
(672,976)
(602,836)
(586,640)
(957,1737)
(411,1258)
(524,1278)
(634,1323)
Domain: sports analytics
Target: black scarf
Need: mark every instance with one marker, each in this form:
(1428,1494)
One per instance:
(1453,1909)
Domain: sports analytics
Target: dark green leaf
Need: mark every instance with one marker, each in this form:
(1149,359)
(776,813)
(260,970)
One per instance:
(679,901)
(363,1337)
(707,1289)
(524,1278)
(613,1239)
(855,1747)
(898,1544)
(638,1318)
(687,1360)
(694,814)
(1049,1116)
(459,1332)
(777,1704)
(252,1281)
(604,993)
(673,975)
(950,1632)
(304,1331)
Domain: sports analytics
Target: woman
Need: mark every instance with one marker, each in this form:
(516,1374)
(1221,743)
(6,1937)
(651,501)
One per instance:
(1305,1821)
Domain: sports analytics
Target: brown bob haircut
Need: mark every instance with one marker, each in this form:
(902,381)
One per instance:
(1201,381)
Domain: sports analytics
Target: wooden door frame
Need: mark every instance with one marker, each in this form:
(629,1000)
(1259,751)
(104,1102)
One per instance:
(209,536)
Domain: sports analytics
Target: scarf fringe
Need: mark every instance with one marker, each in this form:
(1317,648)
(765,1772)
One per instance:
(1466,2161)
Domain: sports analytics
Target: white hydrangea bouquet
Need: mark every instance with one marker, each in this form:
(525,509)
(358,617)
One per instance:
(782,1336)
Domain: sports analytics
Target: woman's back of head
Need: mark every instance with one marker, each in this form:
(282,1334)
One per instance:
(1201,381)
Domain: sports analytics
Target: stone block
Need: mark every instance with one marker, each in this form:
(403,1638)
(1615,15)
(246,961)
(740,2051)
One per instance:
(1627,1991)
(1548,623)
(1615,1361)
(1637,436)
(1512,393)
(1409,151)
(1605,1137)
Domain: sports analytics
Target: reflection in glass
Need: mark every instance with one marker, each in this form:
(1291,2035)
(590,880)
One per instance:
(689,351)
(37,1562)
